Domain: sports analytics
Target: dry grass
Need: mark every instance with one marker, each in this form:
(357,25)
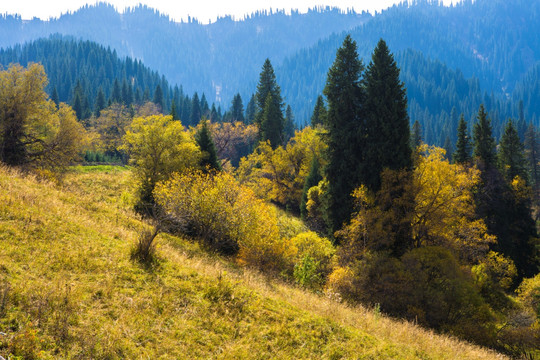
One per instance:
(73,292)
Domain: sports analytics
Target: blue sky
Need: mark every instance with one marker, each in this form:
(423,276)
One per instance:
(204,10)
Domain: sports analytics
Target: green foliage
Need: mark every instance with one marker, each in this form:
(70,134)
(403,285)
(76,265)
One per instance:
(511,157)
(313,179)
(462,155)
(269,115)
(319,113)
(206,145)
(305,272)
(387,133)
(344,124)
(484,143)
(416,135)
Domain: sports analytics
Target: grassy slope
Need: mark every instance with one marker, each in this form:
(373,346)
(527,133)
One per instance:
(74,293)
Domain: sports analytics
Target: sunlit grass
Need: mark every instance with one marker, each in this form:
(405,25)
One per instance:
(73,292)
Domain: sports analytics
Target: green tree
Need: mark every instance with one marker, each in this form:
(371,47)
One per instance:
(237,111)
(532,152)
(344,137)
(319,113)
(206,144)
(511,157)
(416,135)
(158,98)
(100,103)
(387,121)
(116,95)
(54,97)
(251,110)
(195,110)
(174,113)
(462,155)
(484,143)
(272,122)
(289,126)
(269,116)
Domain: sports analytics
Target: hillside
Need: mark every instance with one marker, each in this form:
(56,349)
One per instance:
(68,289)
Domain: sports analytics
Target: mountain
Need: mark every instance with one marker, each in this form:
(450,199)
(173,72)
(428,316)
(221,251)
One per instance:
(452,58)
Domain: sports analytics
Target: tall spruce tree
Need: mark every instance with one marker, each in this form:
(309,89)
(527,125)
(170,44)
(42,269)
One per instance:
(54,97)
(532,152)
(206,144)
(174,113)
(237,110)
(195,116)
(269,117)
(511,157)
(319,113)
(100,103)
(251,110)
(289,126)
(484,143)
(345,125)
(116,95)
(462,155)
(158,98)
(387,121)
(416,135)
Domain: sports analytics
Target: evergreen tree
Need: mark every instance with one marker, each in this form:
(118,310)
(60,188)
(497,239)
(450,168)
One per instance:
(313,178)
(462,155)
(205,109)
(237,110)
(195,115)
(77,106)
(416,135)
(158,98)
(319,113)
(54,97)
(289,127)
(100,103)
(174,113)
(532,152)
(387,121)
(206,144)
(116,95)
(448,148)
(345,125)
(269,117)
(272,122)
(484,143)
(511,157)
(251,110)
(127,96)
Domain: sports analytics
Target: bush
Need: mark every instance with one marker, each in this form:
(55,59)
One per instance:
(315,253)
(226,217)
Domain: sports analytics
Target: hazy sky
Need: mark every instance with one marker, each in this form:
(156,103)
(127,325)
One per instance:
(204,10)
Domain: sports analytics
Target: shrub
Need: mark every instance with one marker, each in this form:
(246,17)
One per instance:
(226,217)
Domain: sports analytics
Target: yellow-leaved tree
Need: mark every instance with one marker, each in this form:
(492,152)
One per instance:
(158,147)
(33,132)
(279,175)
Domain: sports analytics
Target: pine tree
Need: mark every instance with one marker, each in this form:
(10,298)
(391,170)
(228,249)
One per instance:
(195,115)
(289,126)
(319,113)
(237,110)
(174,113)
(77,106)
(158,98)
(511,157)
(54,97)
(116,96)
(345,125)
(100,103)
(387,121)
(416,135)
(251,110)
(313,178)
(462,155)
(269,118)
(484,143)
(532,152)
(206,144)
(272,122)
(127,97)
(448,148)
(205,109)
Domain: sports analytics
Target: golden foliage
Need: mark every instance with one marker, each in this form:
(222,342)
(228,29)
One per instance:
(279,175)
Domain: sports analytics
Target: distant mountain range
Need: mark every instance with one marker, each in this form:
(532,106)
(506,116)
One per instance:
(486,51)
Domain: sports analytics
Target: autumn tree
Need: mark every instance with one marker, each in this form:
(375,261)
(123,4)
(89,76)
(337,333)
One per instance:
(158,147)
(34,133)
(233,141)
(345,124)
